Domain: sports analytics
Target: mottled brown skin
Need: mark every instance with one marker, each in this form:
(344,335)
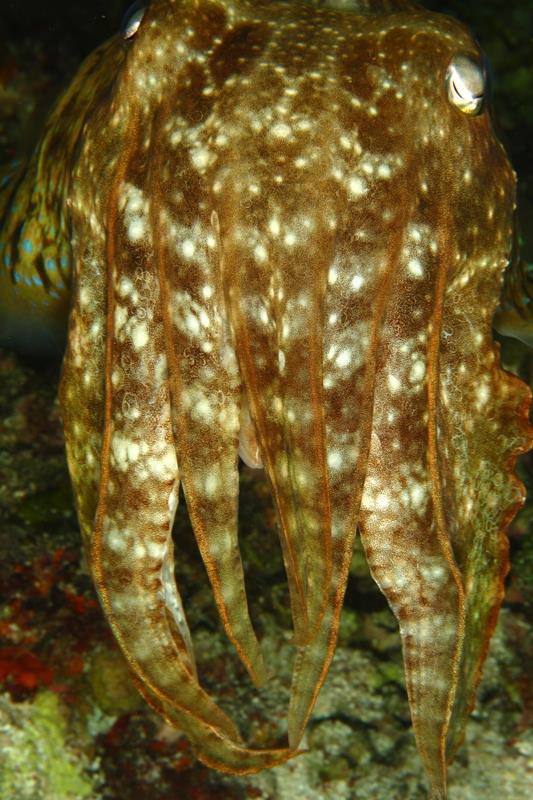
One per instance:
(289,243)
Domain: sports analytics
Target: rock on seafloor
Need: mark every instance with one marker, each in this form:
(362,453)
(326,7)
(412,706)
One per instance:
(36,759)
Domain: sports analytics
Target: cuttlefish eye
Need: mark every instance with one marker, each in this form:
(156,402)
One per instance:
(465,82)
(132,19)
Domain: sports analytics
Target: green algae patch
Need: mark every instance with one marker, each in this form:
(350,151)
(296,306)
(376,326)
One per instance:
(111,683)
(37,761)
(387,672)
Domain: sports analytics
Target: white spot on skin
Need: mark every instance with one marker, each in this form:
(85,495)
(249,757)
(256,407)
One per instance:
(163,467)
(418,494)
(121,316)
(133,198)
(357,186)
(188,248)
(139,335)
(356,282)
(260,253)
(334,459)
(435,573)
(117,542)
(290,239)
(124,451)
(281,130)
(344,358)
(192,324)
(136,229)
(418,370)
(277,405)
(203,409)
(116,378)
(95,329)
(415,268)
(332,276)
(156,550)
(482,394)
(274,226)
(304,125)
(394,383)
(382,501)
(200,158)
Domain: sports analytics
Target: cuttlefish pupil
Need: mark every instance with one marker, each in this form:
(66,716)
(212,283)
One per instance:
(132,20)
(466,85)
(279,231)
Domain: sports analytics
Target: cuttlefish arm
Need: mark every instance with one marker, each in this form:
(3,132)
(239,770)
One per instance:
(445,412)
(422,348)
(412,266)
(122,452)
(130,542)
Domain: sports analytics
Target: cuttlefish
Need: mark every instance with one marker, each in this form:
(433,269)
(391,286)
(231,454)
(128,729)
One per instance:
(279,231)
